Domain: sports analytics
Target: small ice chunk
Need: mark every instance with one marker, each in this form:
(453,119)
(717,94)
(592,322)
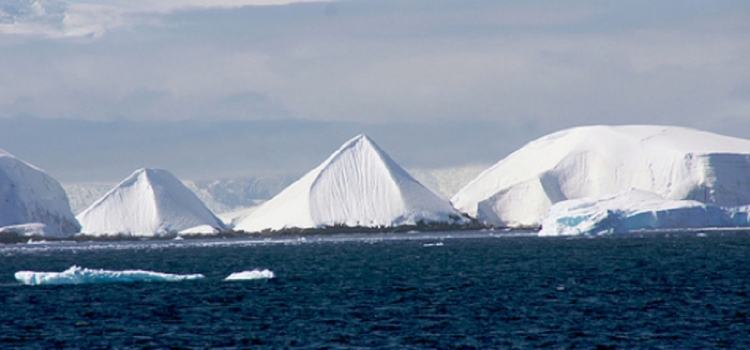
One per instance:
(251,275)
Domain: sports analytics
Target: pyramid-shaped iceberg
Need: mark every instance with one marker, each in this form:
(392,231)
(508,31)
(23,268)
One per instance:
(32,202)
(357,186)
(150,202)
(675,163)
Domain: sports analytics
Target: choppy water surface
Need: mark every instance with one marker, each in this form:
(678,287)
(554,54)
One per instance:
(453,290)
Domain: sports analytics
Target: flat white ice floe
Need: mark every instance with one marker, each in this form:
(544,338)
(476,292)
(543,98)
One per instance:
(633,210)
(359,185)
(78,275)
(250,275)
(150,202)
(674,162)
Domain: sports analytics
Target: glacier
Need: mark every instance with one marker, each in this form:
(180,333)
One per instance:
(675,163)
(359,185)
(149,203)
(251,275)
(32,203)
(634,210)
(78,275)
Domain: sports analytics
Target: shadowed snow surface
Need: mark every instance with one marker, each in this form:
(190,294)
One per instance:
(32,202)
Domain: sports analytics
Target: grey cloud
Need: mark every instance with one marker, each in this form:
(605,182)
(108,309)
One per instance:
(352,66)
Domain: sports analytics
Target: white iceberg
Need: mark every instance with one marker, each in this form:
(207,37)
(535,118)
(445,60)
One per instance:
(359,185)
(627,211)
(251,275)
(674,162)
(77,275)
(32,202)
(150,202)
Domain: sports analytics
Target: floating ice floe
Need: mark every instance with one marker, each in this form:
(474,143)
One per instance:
(674,162)
(251,275)
(634,210)
(78,275)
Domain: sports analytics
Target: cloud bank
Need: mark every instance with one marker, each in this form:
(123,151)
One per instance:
(61,18)
(539,66)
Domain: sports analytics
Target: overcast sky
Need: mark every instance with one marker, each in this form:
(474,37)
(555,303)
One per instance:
(519,68)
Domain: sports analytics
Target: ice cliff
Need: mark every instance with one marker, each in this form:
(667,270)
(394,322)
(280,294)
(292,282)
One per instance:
(150,202)
(675,163)
(358,185)
(32,202)
(632,210)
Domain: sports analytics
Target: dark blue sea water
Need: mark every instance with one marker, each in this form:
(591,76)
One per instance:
(475,290)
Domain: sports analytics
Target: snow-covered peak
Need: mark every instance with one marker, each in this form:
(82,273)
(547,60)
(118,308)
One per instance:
(358,185)
(150,202)
(673,162)
(29,196)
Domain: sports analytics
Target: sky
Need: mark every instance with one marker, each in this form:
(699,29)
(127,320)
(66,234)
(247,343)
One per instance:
(91,90)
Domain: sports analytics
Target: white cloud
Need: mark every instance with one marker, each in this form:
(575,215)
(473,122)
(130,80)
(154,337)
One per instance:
(383,61)
(70,18)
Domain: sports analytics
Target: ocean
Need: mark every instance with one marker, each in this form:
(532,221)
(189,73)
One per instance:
(483,289)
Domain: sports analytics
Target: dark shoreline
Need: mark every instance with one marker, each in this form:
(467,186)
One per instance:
(12,238)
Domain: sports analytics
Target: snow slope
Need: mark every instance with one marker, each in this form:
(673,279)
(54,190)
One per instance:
(630,210)
(29,196)
(673,162)
(150,202)
(358,185)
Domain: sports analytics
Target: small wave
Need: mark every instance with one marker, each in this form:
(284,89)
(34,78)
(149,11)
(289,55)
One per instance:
(438,244)
(78,275)
(250,275)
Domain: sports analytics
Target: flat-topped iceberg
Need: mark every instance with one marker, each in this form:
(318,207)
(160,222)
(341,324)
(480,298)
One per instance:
(634,210)
(251,275)
(78,275)
(359,185)
(673,162)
